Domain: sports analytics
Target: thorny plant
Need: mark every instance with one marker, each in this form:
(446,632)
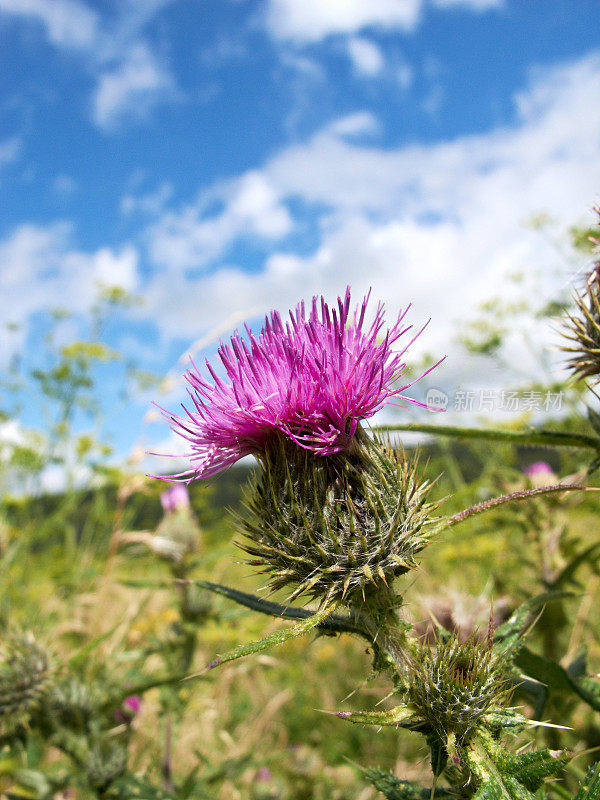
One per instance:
(340,517)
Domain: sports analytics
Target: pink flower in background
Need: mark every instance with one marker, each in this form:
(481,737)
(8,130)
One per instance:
(174,498)
(312,379)
(540,474)
(538,469)
(131,708)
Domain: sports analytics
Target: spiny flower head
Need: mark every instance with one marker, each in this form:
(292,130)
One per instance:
(453,686)
(24,680)
(582,328)
(341,527)
(312,379)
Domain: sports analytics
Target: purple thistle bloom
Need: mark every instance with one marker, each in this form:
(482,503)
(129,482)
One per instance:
(312,379)
(174,498)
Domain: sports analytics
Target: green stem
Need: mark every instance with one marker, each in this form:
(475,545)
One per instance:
(532,436)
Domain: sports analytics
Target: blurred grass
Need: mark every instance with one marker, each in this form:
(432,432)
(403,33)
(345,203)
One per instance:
(71,589)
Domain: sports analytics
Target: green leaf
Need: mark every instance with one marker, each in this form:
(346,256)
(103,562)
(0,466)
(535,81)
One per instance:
(594,418)
(558,679)
(274,639)
(530,768)
(399,716)
(543,669)
(508,638)
(333,623)
(589,690)
(567,573)
(505,776)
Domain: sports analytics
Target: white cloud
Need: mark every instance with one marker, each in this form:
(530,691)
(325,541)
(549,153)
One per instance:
(365,55)
(130,78)
(312,20)
(363,122)
(41,269)
(68,23)
(151,203)
(473,5)
(404,76)
(64,185)
(9,150)
(192,237)
(132,89)
(439,225)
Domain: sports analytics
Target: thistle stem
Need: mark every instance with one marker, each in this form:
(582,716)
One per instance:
(527,437)
(514,496)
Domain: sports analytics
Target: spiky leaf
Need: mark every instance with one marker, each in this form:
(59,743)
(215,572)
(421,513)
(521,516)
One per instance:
(396,789)
(590,787)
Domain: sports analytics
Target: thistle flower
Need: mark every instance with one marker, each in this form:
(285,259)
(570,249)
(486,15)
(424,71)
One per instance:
(311,379)
(338,527)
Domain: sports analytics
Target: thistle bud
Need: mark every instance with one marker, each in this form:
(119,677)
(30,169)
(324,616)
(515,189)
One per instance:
(453,686)
(178,534)
(340,527)
(73,704)
(104,764)
(583,327)
(24,680)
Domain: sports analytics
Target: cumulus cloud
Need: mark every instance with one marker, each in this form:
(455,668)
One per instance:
(440,224)
(366,56)
(313,20)
(361,123)
(41,268)
(130,78)
(190,238)
(70,24)
(132,89)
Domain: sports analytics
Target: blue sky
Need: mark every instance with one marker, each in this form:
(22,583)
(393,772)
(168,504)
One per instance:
(228,156)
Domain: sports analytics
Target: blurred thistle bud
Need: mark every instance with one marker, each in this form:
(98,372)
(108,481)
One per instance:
(582,328)
(264,787)
(178,534)
(340,527)
(105,763)
(24,680)
(454,685)
(73,704)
